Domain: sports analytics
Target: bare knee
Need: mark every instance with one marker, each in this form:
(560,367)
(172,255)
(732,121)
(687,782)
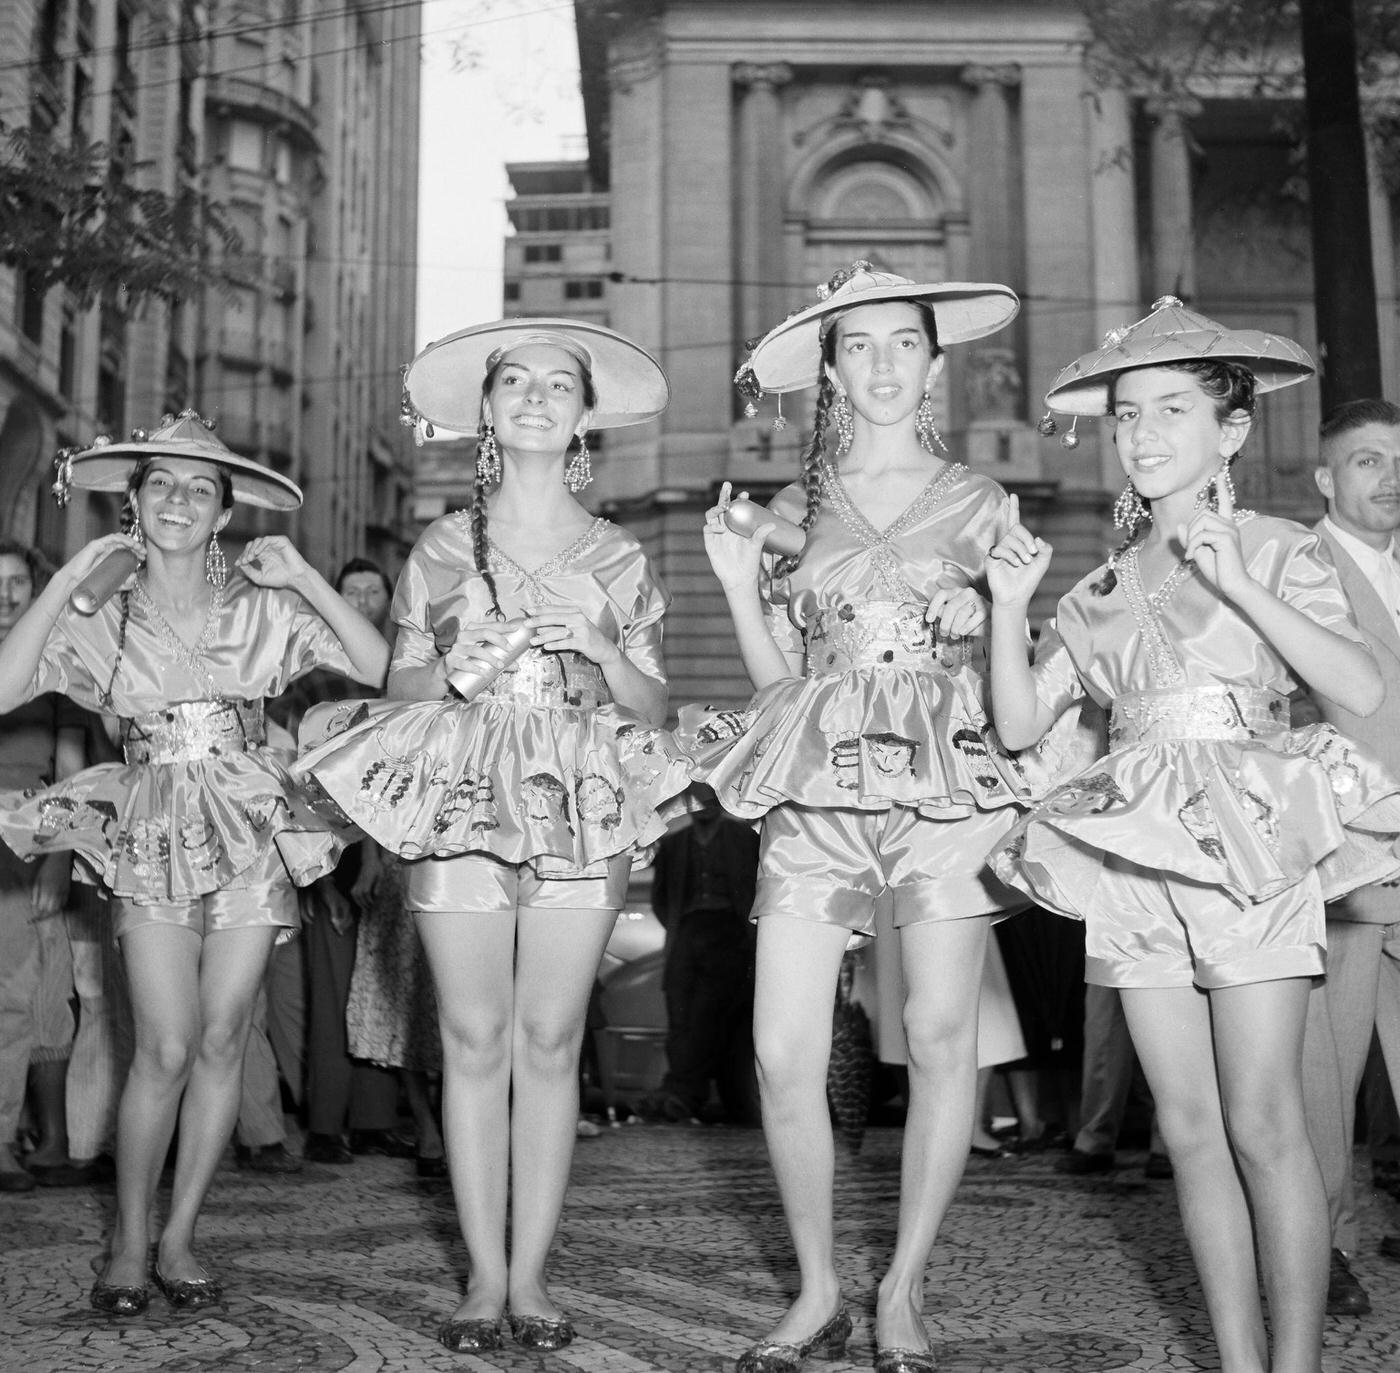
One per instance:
(548,1048)
(1266,1128)
(223,1040)
(939,1045)
(166,1058)
(787,1063)
(473,1046)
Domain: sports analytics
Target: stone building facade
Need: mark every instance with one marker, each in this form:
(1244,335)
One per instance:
(301,120)
(751,147)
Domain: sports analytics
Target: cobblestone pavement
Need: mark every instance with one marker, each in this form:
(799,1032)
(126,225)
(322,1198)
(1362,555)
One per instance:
(672,1256)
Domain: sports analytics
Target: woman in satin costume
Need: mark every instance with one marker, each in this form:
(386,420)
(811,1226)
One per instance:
(197,835)
(1200,850)
(867,756)
(523,804)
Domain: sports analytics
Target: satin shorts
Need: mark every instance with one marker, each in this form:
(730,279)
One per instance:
(1142,931)
(831,865)
(261,895)
(477,882)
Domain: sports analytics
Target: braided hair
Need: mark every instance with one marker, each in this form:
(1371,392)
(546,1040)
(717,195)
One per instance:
(1231,385)
(480,554)
(815,451)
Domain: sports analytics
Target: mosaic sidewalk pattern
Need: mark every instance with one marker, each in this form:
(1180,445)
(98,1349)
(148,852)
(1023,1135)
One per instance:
(671,1257)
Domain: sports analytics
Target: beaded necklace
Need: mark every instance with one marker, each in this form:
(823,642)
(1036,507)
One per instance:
(192,657)
(880,542)
(1147,611)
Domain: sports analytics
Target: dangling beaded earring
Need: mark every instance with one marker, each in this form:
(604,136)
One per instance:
(845,424)
(488,454)
(580,469)
(131,519)
(924,426)
(1128,509)
(1223,479)
(215,565)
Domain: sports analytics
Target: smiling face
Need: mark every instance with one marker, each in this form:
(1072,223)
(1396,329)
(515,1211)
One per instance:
(181,503)
(1168,433)
(1361,481)
(537,401)
(16,590)
(883,360)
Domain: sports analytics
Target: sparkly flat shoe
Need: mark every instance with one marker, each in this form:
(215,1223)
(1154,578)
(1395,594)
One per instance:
(119,1301)
(904,1360)
(466,1336)
(828,1343)
(541,1332)
(188,1294)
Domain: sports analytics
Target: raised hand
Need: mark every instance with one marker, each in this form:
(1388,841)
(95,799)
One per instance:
(1017,561)
(272,560)
(1212,541)
(735,558)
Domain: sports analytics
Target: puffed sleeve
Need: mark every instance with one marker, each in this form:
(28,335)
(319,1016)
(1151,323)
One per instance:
(1057,682)
(641,630)
(1307,579)
(68,666)
(311,643)
(415,645)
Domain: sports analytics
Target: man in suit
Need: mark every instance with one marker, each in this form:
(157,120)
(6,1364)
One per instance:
(1359,476)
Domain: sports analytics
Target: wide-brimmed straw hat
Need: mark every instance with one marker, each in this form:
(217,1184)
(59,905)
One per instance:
(1172,333)
(443,384)
(106,465)
(789,356)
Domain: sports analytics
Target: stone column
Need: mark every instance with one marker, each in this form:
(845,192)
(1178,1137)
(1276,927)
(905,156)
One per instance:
(992,198)
(759,186)
(1173,236)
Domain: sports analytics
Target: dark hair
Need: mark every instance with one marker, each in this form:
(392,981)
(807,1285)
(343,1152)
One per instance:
(31,557)
(826,396)
(137,480)
(1356,414)
(1231,385)
(363,565)
(478,510)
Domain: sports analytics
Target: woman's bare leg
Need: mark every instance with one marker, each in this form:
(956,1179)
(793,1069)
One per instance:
(794,996)
(472,957)
(231,969)
(557,958)
(943,974)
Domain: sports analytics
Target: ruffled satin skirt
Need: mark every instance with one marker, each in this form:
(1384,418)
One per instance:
(561,788)
(170,833)
(864,739)
(1252,817)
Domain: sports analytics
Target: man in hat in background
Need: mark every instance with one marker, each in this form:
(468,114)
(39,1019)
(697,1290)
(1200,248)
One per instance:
(1358,474)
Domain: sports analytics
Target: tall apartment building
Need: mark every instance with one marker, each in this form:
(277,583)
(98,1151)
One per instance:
(301,121)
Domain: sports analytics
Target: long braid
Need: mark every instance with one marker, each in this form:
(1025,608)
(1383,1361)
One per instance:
(1109,580)
(812,468)
(104,698)
(479,553)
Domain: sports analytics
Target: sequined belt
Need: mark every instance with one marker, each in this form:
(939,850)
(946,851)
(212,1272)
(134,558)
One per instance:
(190,730)
(1146,717)
(877,634)
(563,679)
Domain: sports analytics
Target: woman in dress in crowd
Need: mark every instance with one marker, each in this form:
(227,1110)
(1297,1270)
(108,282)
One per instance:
(1200,850)
(188,833)
(866,754)
(523,798)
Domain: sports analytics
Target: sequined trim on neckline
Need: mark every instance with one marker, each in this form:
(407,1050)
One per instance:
(880,542)
(1165,668)
(534,578)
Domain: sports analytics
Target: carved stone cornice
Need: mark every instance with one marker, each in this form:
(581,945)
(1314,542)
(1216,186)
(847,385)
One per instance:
(981,75)
(762,75)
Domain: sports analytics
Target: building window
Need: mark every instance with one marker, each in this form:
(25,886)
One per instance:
(592,289)
(544,252)
(511,291)
(31,307)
